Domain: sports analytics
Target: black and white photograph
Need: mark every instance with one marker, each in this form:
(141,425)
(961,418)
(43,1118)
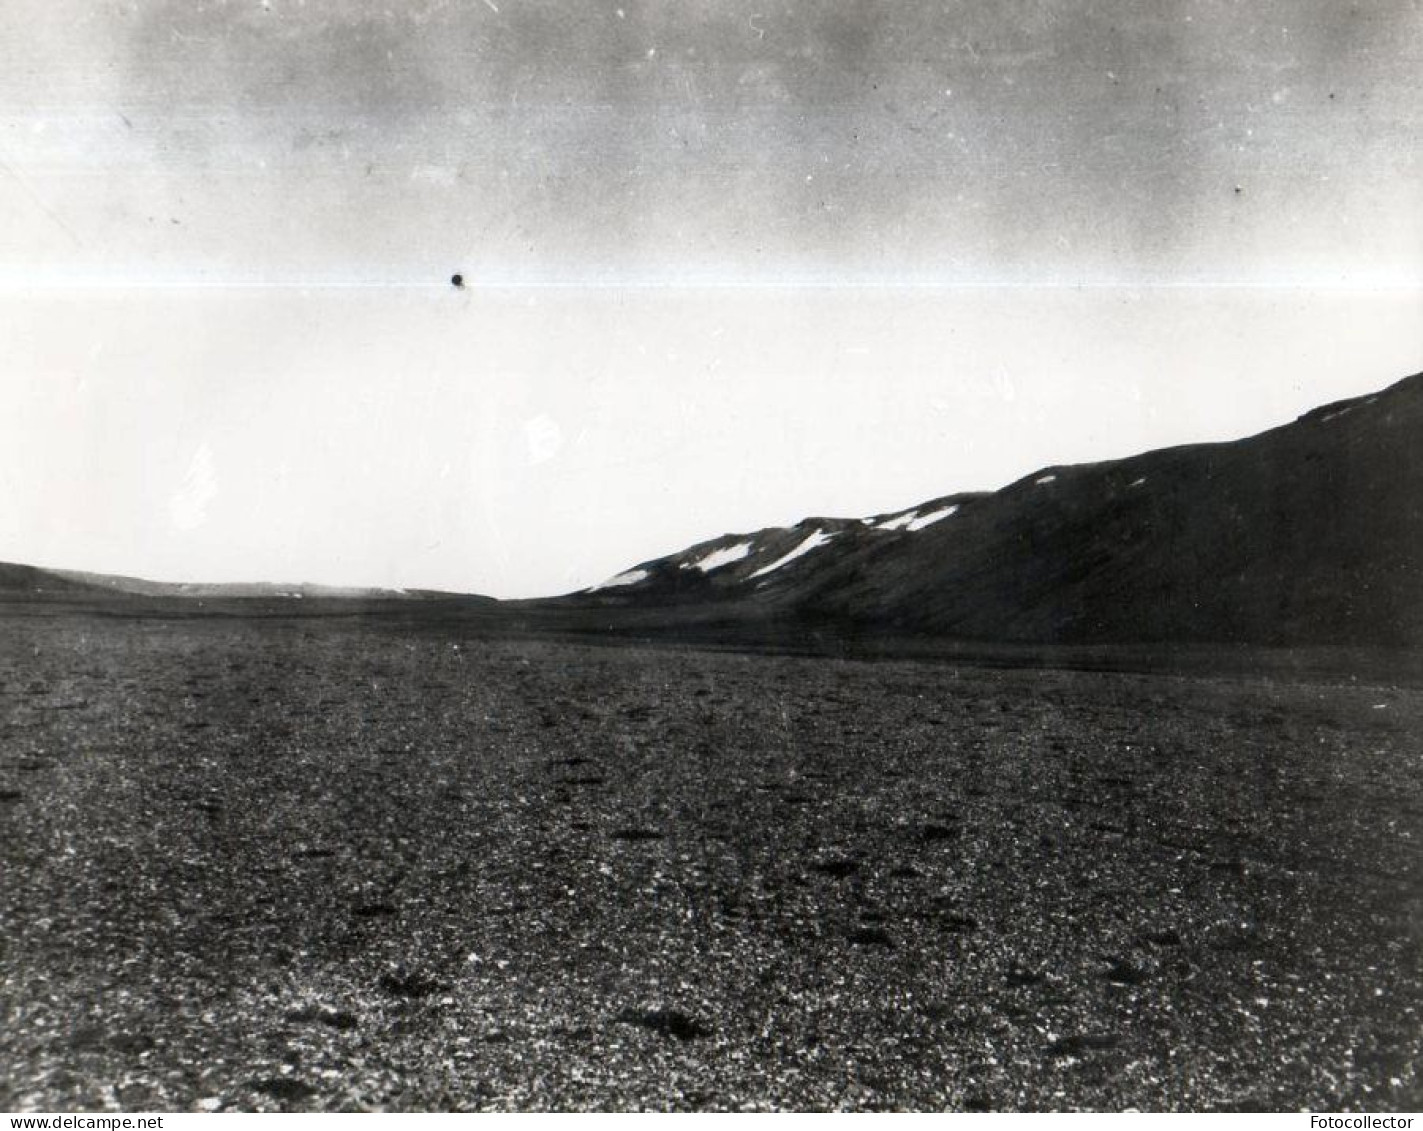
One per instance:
(711,556)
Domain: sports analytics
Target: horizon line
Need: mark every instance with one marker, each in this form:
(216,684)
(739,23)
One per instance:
(393,589)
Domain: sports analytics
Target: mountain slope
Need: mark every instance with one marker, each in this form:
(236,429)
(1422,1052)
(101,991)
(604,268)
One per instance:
(22,582)
(1308,533)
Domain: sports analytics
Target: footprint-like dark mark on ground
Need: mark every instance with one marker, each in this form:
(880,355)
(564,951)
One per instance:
(636,835)
(946,916)
(582,781)
(668,1022)
(132,1043)
(1122,973)
(403,983)
(86,1037)
(1080,1043)
(978,1102)
(315,853)
(283,1088)
(1242,940)
(939,1011)
(1163,938)
(904,872)
(1022,976)
(870,936)
(10,796)
(838,869)
(575,760)
(934,833)
(324,1015)
(374,910)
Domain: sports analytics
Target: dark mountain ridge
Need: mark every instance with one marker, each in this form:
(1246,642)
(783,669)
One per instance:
(1309,533)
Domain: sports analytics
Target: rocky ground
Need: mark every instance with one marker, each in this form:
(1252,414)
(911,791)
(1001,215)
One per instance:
(336,865)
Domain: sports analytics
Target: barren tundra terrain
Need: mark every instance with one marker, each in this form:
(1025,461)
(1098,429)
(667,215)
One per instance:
(347,864)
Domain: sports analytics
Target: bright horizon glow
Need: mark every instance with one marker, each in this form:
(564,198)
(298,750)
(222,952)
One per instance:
(529,442)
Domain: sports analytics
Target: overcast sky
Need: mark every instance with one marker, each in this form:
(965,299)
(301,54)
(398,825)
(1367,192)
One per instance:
(726,264)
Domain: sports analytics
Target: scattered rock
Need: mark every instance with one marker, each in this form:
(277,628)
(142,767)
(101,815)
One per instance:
(411,984)
(668,1022)
(1080,1043)
(284,1088)
(131,1043)
(1123,973)
(86,1037)
(324,1015)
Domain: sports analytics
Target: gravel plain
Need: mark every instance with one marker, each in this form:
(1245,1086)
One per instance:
(335,865)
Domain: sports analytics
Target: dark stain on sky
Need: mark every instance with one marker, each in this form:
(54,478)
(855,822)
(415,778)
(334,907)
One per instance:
(882,134)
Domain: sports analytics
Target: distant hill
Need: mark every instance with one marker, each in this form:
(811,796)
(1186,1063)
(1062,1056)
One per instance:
(29,582)
(26,581)
(218,590)
(1311,533)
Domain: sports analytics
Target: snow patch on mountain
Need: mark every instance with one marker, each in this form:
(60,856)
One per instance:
(816,538)
(631,577)
(932,517)
(899,521)
(718,558)
(1043,479)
